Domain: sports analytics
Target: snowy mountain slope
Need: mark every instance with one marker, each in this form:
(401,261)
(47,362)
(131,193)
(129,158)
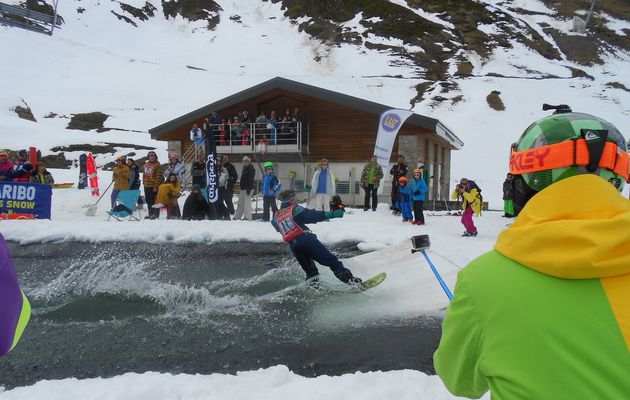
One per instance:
(143,63)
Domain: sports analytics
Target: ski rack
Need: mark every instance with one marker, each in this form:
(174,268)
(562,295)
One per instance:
(24,18)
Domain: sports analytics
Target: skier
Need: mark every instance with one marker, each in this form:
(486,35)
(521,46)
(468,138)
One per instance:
(471,195)
(290,220)
(546,313)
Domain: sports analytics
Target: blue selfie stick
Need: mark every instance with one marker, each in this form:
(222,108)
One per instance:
(421,243)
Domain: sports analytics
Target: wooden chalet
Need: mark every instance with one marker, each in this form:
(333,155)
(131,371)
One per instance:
(329,125)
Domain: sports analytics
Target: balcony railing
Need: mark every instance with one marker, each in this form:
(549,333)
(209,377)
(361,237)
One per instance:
(283,137)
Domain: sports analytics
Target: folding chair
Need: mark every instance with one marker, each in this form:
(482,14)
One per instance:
(128,200)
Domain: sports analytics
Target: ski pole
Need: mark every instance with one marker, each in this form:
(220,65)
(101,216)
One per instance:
(420,244)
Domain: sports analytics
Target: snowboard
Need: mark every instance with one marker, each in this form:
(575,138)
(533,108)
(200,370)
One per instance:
(374,281)
(82,171)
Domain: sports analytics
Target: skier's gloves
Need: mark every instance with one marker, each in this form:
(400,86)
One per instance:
(337,214)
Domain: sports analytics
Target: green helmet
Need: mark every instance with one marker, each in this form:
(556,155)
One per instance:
(563,145)
(268,164)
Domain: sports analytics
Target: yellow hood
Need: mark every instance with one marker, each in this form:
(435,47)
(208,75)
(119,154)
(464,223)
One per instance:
(577,228)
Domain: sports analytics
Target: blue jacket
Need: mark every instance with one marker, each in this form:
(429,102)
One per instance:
(270,185)
(418,186)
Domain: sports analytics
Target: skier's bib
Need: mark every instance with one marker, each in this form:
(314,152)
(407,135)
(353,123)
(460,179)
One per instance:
(289,229)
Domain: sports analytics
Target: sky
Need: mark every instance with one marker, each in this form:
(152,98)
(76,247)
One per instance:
(139,76)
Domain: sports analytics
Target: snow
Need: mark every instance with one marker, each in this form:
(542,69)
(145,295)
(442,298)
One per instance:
(139,76)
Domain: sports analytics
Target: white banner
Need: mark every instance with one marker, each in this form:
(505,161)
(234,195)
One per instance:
(388,126)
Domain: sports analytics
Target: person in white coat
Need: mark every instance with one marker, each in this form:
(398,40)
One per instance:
(323,186)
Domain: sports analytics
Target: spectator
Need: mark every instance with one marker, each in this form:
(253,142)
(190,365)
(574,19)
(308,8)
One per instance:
(399,170)
(167,196)
(323,186)
(370,179)
(248,175)
(245,128)
(152,179)
(236,129)
(41,175)
(418,191)
(231,181)
(545,313)
(22,168)
(291,222)
(175,166)
(224,131)
(403,200)
(272,125)
(270,187)
(198,171)
(471,203)
(508,196)
(196,137)
(134,178)
(195,206)
(297,114)
(120,176)
(6,166)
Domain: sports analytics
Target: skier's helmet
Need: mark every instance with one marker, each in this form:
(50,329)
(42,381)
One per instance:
(402,179)
(268,164)
(417,171)
(566,144)
(22,153)
(287,195)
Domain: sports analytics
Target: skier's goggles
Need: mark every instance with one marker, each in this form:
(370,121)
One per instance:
(568,154)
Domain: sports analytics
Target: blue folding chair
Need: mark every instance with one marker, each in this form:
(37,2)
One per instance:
(128,200)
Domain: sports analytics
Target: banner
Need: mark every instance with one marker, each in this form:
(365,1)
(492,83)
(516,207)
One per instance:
(212,184)
(389,124)
(25,198)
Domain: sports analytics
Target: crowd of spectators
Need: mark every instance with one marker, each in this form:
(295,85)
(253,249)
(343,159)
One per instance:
(242,130)
(22,170)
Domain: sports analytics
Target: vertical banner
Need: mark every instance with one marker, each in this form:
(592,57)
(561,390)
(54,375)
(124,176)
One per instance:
(212,184)
(25,199)
(389,124)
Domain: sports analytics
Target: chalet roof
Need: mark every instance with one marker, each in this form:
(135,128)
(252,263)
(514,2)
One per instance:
(308,90)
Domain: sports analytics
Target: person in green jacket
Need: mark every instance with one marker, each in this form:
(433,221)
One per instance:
(546,313)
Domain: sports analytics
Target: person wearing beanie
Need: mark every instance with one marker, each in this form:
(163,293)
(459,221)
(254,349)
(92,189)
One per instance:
(196,206)
(121,175)
(167,196)
(152,179)
(6,165)
(290,221)
(403,200)
(41,175)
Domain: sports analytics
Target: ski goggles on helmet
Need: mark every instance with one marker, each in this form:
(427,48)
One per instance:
(576,152)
